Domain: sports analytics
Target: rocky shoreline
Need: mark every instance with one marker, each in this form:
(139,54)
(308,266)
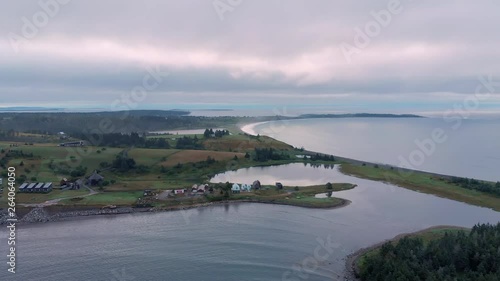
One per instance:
(42,215)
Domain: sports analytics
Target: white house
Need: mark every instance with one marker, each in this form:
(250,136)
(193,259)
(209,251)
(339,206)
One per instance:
(236,188)
(179,191)
(246,187)
(202,188)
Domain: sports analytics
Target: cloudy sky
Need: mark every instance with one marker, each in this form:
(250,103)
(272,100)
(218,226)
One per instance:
(343,56)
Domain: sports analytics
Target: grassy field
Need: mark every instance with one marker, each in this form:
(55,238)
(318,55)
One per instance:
(150,157)
(187,156)
(105,198)
(30,198)
(424,183)
(244,143)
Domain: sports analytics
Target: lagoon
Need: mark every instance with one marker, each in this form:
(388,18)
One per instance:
(243,241)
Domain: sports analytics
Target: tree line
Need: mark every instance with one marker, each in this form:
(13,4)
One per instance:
(456,256)
(492,188)
(266,154)
(209,133)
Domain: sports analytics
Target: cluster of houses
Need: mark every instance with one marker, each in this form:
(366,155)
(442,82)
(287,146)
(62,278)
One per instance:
(36,187)
(65,184)
(236,188)
(93,180)
(195,189)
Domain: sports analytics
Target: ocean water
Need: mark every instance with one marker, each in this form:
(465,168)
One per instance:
(243,242)
(467,148)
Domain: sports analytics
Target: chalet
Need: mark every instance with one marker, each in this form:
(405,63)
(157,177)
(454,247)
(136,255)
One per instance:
(279,185)
(72,144)
(246,187)
(236,188)
(95,179)
(256,185)
(23,186)
(194,188)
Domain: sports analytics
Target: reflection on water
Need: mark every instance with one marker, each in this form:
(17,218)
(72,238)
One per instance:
(471,151)
(297,174)
(245,241)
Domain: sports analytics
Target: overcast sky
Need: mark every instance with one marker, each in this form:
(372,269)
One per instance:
(415,56)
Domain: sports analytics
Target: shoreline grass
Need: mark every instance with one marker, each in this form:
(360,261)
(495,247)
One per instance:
(423,182)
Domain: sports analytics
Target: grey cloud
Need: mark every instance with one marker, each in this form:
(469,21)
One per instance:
(463,34)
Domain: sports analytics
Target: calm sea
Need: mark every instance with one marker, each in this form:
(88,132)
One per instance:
(470,148)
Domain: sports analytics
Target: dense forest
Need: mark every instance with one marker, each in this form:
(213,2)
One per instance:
(456,256)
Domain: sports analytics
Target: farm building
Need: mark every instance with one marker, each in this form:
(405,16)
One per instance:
(95,179)
(236,188)
(47,187)
(72,144)
(78,184)
(30,187)
(36,187)
(256,185)
(23,186)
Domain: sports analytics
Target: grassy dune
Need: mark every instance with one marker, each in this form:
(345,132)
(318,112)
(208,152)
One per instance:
(425,183)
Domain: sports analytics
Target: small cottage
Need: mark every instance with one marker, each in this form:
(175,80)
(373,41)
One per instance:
(256,185)
(78,184)
(246,187)
(179,191)
(95,179)
(202,188)
(236,188)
